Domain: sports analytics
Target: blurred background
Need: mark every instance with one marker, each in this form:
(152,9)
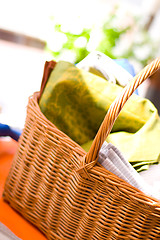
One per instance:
(32,32)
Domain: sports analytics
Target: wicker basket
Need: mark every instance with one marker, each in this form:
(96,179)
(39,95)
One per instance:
(62,189)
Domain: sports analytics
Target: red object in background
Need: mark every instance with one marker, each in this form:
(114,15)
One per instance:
(9,217)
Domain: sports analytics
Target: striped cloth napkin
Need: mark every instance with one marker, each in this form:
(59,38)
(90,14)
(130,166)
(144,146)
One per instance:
(6,233)
(112,159)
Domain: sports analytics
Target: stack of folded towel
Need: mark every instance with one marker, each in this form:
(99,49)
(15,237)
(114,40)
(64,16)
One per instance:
(76,101)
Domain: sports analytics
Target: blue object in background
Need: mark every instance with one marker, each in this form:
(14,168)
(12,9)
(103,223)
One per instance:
(127,66)
(6,130)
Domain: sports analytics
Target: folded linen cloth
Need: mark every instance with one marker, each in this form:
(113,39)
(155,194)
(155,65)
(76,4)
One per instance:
(112,159)
(6,233)
(152,177)
(144,145)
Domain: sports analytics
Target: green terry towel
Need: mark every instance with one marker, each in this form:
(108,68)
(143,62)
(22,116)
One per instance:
(77,101)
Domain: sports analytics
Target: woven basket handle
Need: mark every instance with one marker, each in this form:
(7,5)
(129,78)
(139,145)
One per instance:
(116,107)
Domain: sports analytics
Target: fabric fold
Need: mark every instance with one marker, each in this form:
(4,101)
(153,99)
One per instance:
(112,159)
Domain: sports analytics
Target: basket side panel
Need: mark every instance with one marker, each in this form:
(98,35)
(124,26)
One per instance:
(44,186)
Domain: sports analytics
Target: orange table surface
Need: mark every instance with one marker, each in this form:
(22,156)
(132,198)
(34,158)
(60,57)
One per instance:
(9,217)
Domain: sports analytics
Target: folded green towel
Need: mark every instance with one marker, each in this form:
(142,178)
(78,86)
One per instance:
(77,102)
(141,148)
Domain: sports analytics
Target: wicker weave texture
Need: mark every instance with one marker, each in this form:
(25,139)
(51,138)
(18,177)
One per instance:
(53,187)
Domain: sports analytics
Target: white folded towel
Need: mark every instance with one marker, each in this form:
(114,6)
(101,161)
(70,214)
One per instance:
(110,70)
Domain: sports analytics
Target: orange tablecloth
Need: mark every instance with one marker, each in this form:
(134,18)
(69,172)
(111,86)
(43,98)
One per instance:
(16,223)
